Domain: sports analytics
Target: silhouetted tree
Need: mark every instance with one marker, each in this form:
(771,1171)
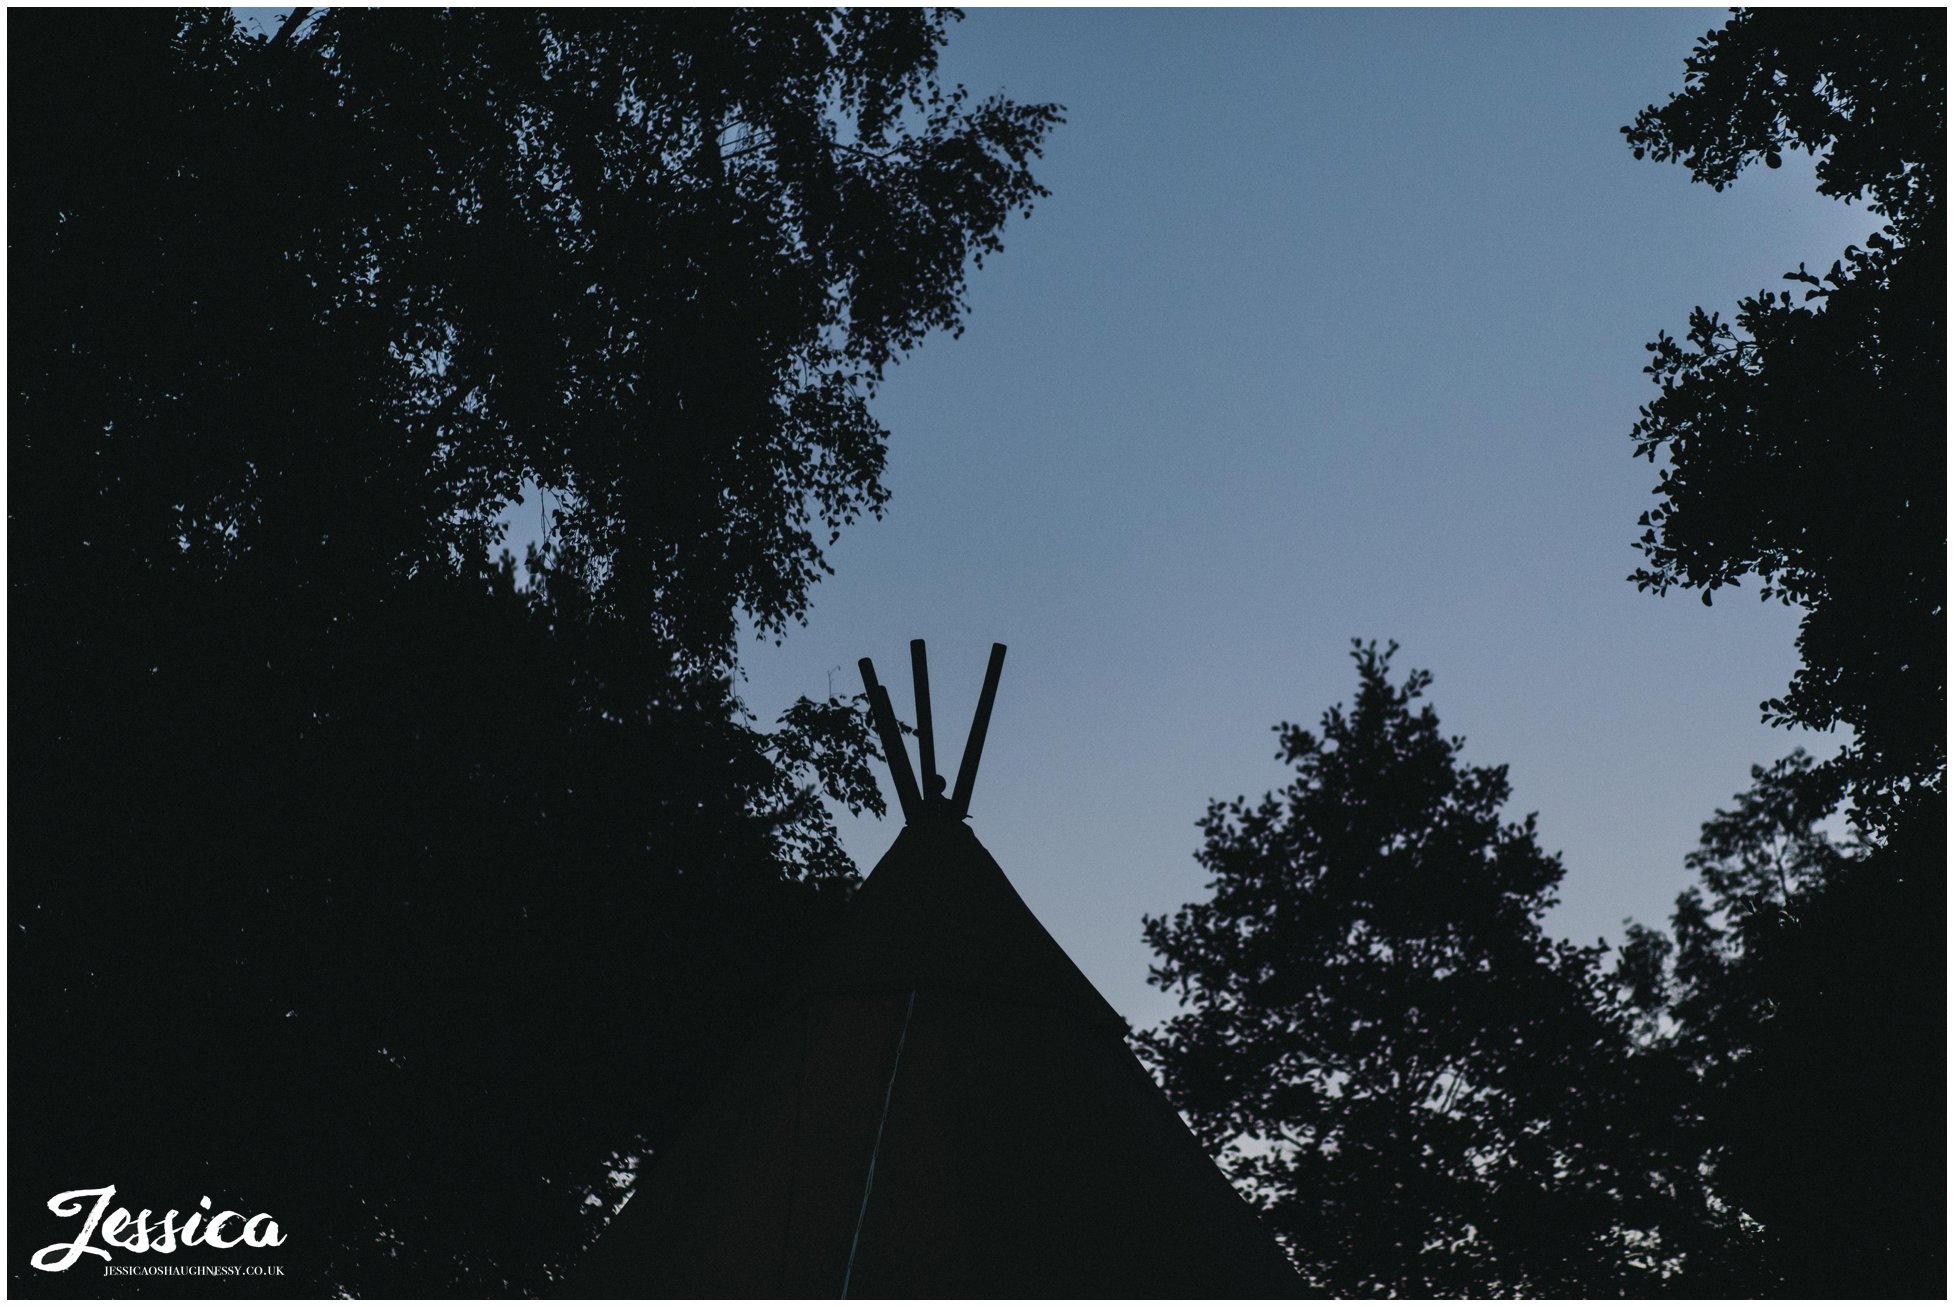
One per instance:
(1427,1094)
(328,304)
(1790,981)
(1805,442)
(356,877)
(1755,861)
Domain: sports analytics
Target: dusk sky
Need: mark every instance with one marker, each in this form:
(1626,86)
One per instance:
(1331,327)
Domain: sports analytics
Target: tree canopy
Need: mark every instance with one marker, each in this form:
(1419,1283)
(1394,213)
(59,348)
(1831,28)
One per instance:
(1790,983)
(1426,1093)
(427,890)
(1803,442)
(1859,94)
(328,303)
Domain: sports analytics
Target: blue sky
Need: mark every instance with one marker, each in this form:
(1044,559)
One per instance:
(1331,327)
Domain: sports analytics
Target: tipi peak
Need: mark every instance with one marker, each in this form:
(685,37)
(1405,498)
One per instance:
(932,800)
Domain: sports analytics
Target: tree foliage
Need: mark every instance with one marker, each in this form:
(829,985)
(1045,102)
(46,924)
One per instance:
(361,876)
(1794,983)
(1805,445)
(328,304)
(1754,861)
(1427,1094)
(1863,96)
(1802,442)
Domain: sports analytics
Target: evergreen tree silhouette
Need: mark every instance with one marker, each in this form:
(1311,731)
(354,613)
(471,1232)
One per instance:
(1428,1094)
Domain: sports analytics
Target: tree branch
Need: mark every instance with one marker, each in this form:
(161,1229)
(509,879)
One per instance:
(289,26)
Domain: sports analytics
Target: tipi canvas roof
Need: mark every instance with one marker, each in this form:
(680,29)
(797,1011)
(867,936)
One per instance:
(943,1106)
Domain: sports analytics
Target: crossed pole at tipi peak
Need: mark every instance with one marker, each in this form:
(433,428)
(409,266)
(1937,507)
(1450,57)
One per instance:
(930,803)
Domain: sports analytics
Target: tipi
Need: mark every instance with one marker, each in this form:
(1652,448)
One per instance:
(943,1106)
